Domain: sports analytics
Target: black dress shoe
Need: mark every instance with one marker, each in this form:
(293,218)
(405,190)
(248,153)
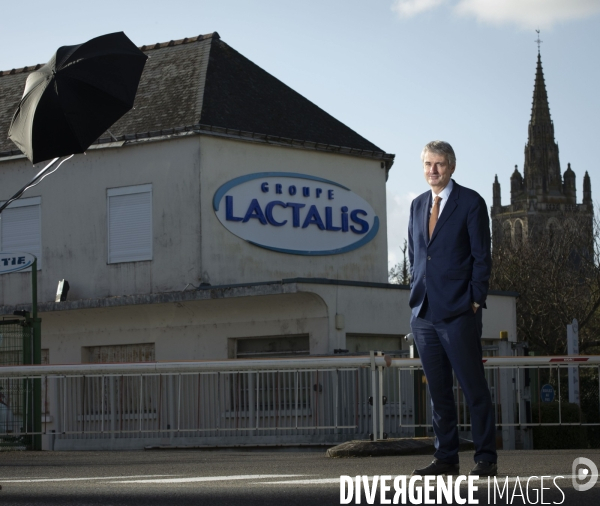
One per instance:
(483,469)
(437,468)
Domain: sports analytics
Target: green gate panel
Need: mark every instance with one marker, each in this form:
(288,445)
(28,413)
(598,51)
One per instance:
(16,338)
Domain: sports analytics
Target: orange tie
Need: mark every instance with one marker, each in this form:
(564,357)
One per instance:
(435,212)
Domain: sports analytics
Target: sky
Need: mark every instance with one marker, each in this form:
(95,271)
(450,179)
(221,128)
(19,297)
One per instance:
(399,72)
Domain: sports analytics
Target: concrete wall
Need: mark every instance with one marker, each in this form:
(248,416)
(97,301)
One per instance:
(229,259)
(190,245)
(383,311)
(194,330)
(74,222)
(201,329)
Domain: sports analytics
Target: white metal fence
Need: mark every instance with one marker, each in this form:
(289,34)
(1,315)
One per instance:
(515,384)
(279,401)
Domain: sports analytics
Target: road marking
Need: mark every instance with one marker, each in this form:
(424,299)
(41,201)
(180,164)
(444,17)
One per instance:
(39,480)
(22,478)
(301,482)
(499,479)
(169,478)
(214,478)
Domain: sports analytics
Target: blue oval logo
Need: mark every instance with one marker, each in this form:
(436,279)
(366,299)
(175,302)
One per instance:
(13,262)
(295,213)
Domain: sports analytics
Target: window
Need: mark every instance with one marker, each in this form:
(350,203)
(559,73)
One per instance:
(20,228)
(269,390)
(363,343)
(270,347)
(129,224)
(553,228)
(119,353)
(123,398)
(518,234)
(507,228)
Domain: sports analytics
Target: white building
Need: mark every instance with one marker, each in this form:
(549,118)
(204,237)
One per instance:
(225,216)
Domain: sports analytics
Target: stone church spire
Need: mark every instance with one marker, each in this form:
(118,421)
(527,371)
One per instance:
(496,193)
(540,110)
(542,167)
(587,189)
(541,198)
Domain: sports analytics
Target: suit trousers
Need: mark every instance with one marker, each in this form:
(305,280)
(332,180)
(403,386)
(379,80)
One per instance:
(455,344)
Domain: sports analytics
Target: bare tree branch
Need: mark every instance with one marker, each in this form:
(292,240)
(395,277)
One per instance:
(557,277)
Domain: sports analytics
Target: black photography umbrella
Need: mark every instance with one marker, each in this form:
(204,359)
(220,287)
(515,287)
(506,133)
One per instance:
(69,102)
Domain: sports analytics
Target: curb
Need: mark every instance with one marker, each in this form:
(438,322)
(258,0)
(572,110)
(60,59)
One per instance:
(390,447)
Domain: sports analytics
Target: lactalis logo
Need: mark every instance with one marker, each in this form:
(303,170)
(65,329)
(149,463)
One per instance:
(295,213)
(585,474)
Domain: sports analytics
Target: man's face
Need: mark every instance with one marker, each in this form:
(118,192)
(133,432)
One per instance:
(437,171)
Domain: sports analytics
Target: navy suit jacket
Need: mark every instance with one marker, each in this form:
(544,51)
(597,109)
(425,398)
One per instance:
(453,268)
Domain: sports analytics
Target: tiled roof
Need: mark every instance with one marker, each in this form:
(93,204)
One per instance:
(11,90)
(202,85)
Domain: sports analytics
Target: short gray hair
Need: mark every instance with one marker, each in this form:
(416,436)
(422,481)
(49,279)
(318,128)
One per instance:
(440,148)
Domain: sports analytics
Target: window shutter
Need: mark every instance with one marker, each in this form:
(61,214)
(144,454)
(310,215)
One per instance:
(21,228)
(130,224)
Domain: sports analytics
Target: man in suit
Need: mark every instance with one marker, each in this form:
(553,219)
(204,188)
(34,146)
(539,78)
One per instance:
(450,264)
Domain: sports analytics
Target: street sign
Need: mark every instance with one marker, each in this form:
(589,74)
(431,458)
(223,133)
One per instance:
(12,262)
(547,393)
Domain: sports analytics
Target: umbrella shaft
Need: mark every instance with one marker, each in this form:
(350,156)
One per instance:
(39,175)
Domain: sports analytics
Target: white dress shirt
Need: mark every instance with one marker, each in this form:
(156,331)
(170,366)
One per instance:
(444,195)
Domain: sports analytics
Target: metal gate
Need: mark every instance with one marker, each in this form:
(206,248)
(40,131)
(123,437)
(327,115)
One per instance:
(16,339)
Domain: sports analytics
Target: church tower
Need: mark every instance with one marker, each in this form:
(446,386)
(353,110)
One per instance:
(541,200)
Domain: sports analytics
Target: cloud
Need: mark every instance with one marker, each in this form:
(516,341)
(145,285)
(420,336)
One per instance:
(524,13)
(527,13)
(409,8)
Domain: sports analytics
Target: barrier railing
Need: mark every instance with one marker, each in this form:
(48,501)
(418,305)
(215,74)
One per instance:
(515,384)
(283,401)
(231,402)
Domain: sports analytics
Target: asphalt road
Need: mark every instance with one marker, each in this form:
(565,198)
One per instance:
(227,477)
